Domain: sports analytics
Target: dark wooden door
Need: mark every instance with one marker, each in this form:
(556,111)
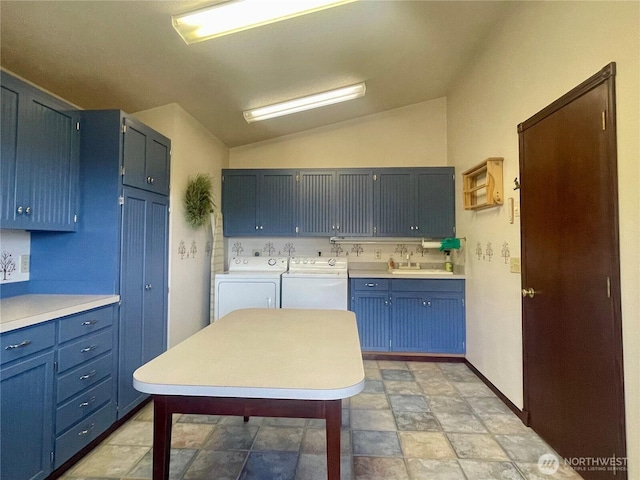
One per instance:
(572,339)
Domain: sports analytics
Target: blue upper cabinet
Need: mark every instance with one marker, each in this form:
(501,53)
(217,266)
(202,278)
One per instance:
(316,199)
(259,202)
(40,159)
(336,203)
(353,209)
(416,202)
(146,158)
(388,202)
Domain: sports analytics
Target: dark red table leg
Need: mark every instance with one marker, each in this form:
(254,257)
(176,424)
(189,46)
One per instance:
(333,412)
(161,438)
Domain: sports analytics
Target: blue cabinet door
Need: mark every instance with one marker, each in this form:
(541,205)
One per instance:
(143,288)
(156,279)
(372,311)
(446,332)
(26,418)
(395,202)
(240,202)
(146,157)
(10,126)
(435,203)
(353,209)
(409,322)
(316,195)
(40,159)
(277,200)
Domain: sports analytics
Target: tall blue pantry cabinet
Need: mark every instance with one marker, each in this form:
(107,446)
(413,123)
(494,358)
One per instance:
(125,187)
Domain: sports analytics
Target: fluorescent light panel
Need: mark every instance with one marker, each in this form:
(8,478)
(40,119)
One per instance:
(306,103)
(235,16)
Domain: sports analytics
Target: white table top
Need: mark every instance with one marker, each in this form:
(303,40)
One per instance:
(263,353)
(26,310)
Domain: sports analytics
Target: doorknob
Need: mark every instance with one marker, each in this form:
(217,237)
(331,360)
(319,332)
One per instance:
(530,292)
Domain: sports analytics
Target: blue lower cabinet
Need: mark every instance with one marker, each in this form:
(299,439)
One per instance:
(26,418)
(422,316)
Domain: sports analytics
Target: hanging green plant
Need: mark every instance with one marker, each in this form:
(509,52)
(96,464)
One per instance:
(197,200)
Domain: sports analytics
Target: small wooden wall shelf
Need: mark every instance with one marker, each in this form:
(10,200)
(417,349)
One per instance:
(482,185)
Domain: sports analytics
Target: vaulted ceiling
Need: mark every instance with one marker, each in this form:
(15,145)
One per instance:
(126,55)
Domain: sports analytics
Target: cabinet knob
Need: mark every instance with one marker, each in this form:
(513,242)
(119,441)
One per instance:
(261,227)
(411,227)
(417,227)
(337,227)
(150,180)
(147,286)
(20,210)
(257,227)
(426,304)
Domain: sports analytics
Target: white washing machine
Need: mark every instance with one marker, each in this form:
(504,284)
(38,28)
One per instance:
(316,282)
(250,282)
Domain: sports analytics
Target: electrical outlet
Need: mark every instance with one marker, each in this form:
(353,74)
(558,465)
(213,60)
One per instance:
(24,263)
(378,254)
(514,264)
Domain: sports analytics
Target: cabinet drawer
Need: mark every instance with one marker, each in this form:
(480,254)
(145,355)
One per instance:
(427,286)
(25,341)
(84,323)
(84,349)
(83,377)
(370,284)
(83,405)
(70,443)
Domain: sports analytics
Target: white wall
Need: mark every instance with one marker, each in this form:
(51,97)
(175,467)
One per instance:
(543,51)
(194,150)
(411,136)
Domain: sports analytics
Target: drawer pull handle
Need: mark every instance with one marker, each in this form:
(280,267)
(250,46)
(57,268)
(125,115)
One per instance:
(86,431)
(18,345)
(89,322)
(87,403)
(371,284)
(86,376)
(88,349)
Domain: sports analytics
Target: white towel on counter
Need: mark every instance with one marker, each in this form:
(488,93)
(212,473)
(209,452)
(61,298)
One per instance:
(217,258)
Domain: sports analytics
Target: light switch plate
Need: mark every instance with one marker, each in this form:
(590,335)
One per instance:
(24,263)
(514,264)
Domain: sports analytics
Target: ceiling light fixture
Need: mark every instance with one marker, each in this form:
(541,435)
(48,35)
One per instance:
(305,103)
(235,16)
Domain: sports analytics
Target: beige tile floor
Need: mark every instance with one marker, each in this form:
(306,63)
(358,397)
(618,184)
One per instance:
(414,420)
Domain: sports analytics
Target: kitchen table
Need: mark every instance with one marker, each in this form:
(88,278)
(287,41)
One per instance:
(258,362)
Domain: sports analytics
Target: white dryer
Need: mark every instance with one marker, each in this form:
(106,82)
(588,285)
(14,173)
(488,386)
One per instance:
(250,282)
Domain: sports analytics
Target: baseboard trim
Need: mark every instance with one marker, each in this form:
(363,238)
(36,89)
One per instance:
(62,469)
(412,357)
(520,414)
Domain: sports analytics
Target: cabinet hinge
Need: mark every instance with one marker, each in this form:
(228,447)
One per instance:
(454,230)
(462,300)
(297,229)
(124,128)
(375,177)
(75,219)
(297,177)
(120,200)
(390,345)
(604,120)
(52,457)
(78,126)
(222,180)
(375,229)
(55,367)
(608,287)
(122,170)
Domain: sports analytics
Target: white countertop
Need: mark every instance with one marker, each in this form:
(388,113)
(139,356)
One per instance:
(425,274)
(263,353)
(26,310)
